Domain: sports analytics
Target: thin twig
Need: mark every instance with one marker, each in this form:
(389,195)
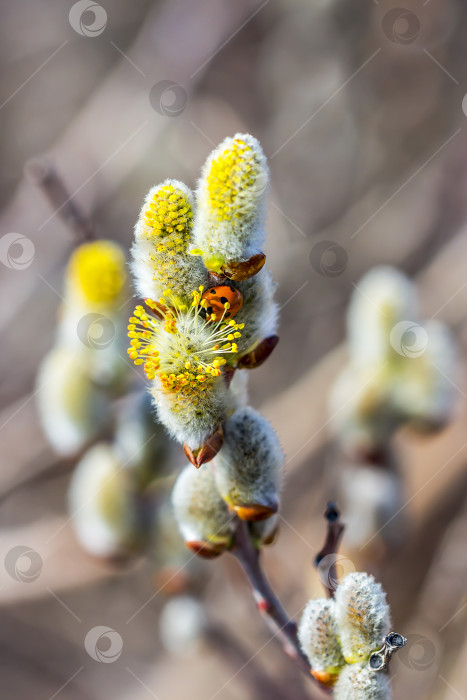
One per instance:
(284,629)
(330,548)
(42,173)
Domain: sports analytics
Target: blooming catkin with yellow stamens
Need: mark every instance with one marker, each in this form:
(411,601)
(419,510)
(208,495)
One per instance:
(162,241)
(86,369)
(231,195)
(96,275)
(183,353)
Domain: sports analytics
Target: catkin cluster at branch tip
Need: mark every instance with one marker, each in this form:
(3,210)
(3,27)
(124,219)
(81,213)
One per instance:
(85,369)
(347,640)
(401,370)
(199,322)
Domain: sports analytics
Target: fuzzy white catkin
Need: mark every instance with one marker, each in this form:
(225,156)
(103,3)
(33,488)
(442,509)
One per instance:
(362,616)
(248,467)
(426,392)
(317,635)
(358,682)
(102,505)
(72,408)
(259,311)
(160,251)
(383,298)
(193,421)
(230,200)
(201,514)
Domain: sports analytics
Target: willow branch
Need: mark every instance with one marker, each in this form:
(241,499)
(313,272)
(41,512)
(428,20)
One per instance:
(285,630)
(42,173)
(328,553)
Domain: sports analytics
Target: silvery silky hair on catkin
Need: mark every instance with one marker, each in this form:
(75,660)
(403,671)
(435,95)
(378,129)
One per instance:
(160,251)
(201,514)
(248,468)
(102,503)
(362,616)
(230,200)
(359,682)
(317,634)
(382,298)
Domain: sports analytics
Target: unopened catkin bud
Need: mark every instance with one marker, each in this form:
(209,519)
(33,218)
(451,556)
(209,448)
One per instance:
(383,298)
(162,239)
(362,616)
(103,506)
(248,467)
(201,514)
(358,682)
(230,199)
(72,408)
(317,634)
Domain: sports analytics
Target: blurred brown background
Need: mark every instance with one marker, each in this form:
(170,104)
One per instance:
(361,109)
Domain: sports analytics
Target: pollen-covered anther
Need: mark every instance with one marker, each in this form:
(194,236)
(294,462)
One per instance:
(178,346)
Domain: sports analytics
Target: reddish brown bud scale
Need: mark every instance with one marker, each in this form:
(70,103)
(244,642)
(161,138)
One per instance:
(255,511)
(260,354)
(246,268)
(205,549)
(206,452)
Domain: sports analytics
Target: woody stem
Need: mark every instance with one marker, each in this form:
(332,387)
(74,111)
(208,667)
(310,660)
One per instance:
(285,630)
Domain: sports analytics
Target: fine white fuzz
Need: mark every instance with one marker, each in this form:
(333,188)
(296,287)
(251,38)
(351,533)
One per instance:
(362,616)
(193,421)
(382,298)
(359,682)
(259,312)
(72,408)
(85,370)
(102,504)
(162,240)
(230,202)
(400,370)
(248,467)
(202,516)
(317,634)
